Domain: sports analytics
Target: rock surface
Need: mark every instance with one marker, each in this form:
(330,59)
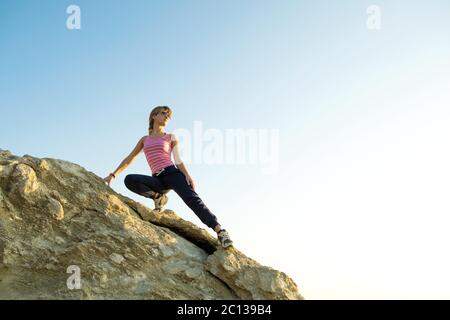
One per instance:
(65,234)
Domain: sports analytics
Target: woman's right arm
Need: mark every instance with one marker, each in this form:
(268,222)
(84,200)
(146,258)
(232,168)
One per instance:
(128,160)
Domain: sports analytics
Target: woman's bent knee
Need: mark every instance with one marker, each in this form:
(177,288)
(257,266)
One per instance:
(129,180)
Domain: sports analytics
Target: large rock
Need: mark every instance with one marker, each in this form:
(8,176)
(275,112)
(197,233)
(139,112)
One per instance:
(58,221)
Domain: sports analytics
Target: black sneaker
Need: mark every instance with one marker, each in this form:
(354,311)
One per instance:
(161,201)
(224,238)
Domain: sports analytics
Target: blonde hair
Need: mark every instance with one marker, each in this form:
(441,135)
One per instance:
(154,112)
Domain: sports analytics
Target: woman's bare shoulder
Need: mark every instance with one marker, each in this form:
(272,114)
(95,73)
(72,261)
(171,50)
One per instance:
(142,140)
(173,137)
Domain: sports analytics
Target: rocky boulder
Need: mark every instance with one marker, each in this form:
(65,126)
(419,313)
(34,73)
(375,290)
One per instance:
(65,234)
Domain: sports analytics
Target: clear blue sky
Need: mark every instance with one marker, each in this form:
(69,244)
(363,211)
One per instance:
(358,208)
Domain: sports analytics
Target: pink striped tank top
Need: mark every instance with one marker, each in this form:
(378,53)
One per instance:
(157,151)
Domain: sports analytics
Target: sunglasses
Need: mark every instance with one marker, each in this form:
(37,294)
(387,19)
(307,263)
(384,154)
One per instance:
(166,113)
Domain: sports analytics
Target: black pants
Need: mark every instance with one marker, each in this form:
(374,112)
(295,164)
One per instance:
(171,179)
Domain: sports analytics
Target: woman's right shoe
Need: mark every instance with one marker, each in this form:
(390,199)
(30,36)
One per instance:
(160,201)
(224,238)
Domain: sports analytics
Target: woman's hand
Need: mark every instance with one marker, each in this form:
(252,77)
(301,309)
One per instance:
(183,170)
(108,179)
(190,182)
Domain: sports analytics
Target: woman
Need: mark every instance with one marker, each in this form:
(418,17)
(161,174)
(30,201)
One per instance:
(166,175)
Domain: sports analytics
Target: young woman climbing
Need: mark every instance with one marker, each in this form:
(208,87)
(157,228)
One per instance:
(158,147)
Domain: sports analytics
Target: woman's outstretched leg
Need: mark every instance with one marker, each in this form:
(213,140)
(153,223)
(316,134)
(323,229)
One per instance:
(177,182)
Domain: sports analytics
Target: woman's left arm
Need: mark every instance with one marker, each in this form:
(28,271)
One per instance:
(178,162)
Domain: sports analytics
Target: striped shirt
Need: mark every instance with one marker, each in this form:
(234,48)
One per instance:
(157,151)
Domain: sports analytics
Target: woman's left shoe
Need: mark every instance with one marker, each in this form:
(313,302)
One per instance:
(224,238)
(161,201)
